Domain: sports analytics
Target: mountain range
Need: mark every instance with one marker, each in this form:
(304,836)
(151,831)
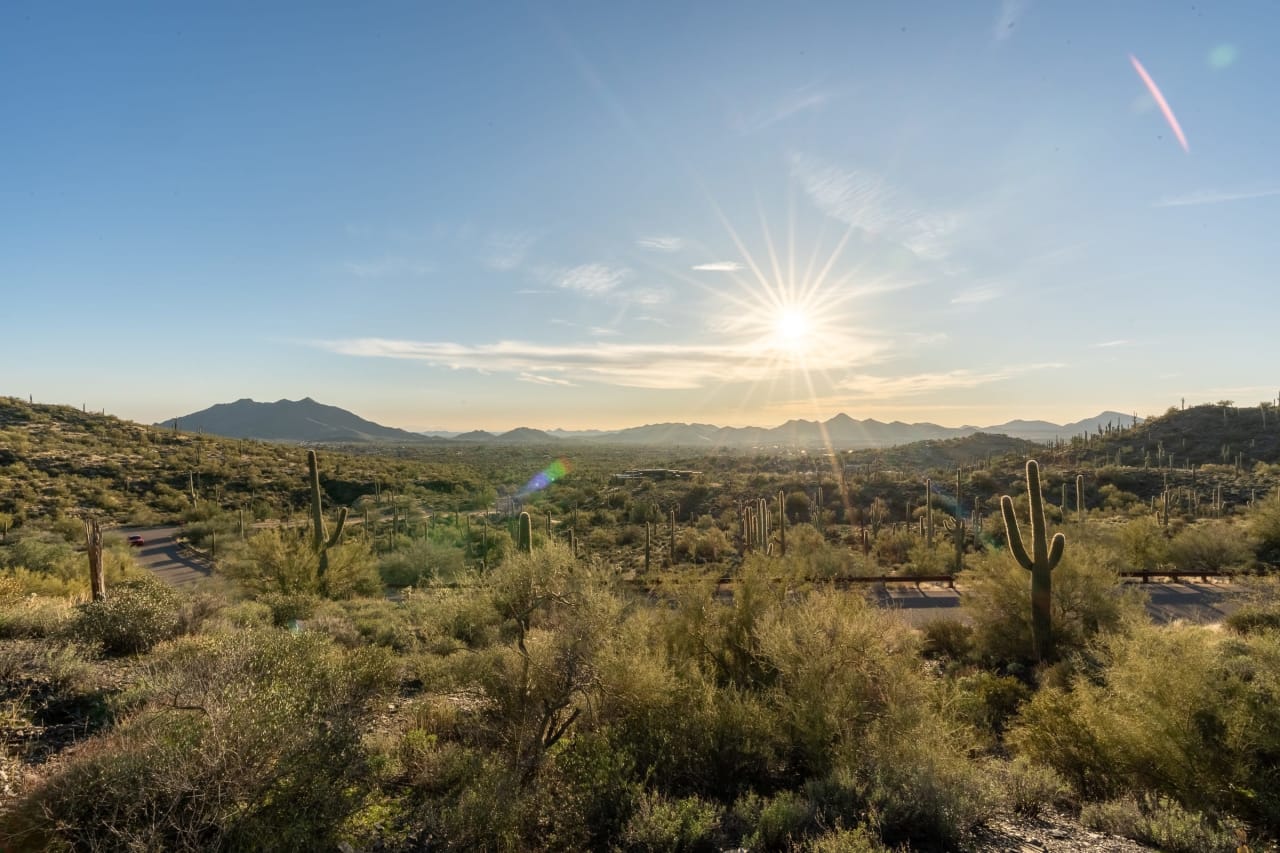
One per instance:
(306,420)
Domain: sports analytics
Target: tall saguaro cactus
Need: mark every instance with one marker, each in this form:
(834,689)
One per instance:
(1041,562)
(319,540)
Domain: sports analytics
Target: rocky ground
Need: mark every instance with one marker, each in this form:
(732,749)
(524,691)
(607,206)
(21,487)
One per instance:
(1051,832)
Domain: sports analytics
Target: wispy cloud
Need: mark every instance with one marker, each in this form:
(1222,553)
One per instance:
(719,266)
(661,243)
(864,386)
(592,279)
(1119,342)
(603,332)
(642,365)
(797,101)
(507,250)
(542,380)
(1010,11)
(975,295)
(1216,197)
(389,268)
(867,201)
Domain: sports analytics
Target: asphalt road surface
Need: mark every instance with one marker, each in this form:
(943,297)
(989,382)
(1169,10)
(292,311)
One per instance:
(161,554)
(1191,602)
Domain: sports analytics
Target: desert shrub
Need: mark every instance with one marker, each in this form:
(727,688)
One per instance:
(197,609)
(450,619)
(251,743)
(134,617)
(780,821)
(421,561)
(289,607)
(1143,545)
(585,795)
(1254,618)
(1162,823)
(1088,599)
(892,546)
(923,559)
(1031,788)
(858,840)
(247,614)
(275,561)
(1180,711)
(989,701)
(1212,547)
(35,616)
(1264,528)
(947,638)
(687,824)
(381,622)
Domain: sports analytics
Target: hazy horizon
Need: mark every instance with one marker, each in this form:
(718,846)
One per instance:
(506,426)
(592,217)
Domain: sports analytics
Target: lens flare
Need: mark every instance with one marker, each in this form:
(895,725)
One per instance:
(1161,102)
(545,477)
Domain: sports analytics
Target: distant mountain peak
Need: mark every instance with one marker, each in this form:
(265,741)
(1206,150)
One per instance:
(302,420)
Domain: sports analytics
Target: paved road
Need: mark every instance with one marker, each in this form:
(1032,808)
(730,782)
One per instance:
(1192,602)
(161,554)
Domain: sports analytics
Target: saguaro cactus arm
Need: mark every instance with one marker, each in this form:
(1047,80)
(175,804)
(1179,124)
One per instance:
(1044,557)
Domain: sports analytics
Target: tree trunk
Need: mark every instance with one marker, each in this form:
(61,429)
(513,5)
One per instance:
(93,543)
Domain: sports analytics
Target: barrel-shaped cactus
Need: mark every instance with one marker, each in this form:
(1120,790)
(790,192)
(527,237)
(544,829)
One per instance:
(1041,562)
(525,542)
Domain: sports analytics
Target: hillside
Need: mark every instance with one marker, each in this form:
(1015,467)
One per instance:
(1201,435)
(843,432)
(302,420)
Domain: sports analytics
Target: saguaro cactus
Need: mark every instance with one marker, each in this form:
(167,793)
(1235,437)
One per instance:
(525,542)
(1041,562)
(319,540)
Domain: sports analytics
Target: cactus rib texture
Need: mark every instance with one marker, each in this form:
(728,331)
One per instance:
(1043,559)
(320,540)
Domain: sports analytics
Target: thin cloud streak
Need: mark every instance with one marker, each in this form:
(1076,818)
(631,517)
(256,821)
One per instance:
(866,201)
(719,266)
(864,386)
(661,243)
(654,366)
(1121,342)
(592,279)
(1215,197)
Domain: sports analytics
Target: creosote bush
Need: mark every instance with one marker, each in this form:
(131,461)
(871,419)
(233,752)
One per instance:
(135,616)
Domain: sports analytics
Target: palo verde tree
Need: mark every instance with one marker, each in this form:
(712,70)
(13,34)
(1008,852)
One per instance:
(1041,562)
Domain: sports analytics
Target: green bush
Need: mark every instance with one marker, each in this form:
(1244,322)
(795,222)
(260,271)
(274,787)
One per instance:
(1030,788)
(1088,599)
(659,824)
(133,618)
(250,741)
(1179,711)
(1164,824)
(35,616)
(1213,546)
(951,639)
(289,607)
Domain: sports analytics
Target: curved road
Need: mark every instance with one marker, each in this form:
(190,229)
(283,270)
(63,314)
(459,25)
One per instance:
(1193,602)
(162,555)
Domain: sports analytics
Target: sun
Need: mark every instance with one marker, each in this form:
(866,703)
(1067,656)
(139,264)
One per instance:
(792,328)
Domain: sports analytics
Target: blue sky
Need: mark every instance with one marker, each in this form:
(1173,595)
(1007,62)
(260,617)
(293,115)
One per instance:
(594,215)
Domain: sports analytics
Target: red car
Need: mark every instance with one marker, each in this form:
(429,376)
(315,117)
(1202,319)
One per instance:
(136,541)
